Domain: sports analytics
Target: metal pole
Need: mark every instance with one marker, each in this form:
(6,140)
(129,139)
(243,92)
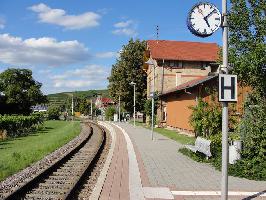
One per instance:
(91,110)
(224,189)
(72,107)
(134,105)
(119,109)
(152,104)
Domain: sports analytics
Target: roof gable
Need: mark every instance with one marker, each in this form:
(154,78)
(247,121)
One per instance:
(189,84)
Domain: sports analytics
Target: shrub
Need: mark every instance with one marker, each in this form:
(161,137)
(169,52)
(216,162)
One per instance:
(216,145)
(252,132)
(206,119)
(109,113)
(54,112)
(17,125)
(148,109)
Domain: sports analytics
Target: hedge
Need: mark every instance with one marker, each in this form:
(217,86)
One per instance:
(18,125)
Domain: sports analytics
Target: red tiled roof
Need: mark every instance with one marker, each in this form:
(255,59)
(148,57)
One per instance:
(107,100)
(180,50)
(189,84)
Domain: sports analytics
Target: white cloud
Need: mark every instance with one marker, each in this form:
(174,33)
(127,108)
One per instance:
(127,28)
(41,51)
(109,54)
(81,78)
(2,23)
(60,17)
(125,31)
(123,24)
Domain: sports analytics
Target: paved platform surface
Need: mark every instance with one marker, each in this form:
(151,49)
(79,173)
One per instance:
(145,169)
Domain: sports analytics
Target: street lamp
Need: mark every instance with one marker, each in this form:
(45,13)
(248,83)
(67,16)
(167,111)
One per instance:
(150,62)
(134,85)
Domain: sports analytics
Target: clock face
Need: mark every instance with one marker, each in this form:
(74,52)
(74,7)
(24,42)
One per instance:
(204,19)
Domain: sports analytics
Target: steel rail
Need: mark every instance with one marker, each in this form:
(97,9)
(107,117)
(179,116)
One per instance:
(60,180)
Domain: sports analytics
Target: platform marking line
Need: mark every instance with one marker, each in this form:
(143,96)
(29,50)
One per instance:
(135,186)
(158,193)
(217,193)
(95,195)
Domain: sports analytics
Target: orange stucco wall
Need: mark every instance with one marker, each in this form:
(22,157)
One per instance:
(177,105)
(178,112)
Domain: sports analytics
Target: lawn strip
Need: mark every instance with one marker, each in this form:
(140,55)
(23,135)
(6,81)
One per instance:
(18,153)
(174,135)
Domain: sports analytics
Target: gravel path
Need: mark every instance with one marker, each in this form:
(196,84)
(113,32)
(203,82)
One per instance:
(91,178)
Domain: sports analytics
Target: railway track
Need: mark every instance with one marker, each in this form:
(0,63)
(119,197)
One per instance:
(61,180)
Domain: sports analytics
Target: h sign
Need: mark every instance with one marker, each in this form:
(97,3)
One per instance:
(227,88)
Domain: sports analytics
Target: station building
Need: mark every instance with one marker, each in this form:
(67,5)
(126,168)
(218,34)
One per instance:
(180,74)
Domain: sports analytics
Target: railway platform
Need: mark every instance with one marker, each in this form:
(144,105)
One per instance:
(138,168)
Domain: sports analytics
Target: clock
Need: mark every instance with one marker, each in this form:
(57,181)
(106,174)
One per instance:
(204,19)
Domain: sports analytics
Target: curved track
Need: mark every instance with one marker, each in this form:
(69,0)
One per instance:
(60,180)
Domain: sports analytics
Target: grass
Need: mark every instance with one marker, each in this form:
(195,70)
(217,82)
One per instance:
(18,153)
(183,139)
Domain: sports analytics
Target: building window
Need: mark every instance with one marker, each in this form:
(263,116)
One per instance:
(180,64)
(166,63)
(203,66)
(172,63)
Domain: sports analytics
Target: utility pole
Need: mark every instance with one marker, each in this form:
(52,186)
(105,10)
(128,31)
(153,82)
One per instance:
(91,109)
(72,106)
(119,108)
(224,188)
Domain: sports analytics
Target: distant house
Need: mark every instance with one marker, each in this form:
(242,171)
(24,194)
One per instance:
(39,108)
(176,63)
(103,102)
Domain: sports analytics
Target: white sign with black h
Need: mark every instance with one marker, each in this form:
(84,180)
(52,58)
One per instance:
(227,87)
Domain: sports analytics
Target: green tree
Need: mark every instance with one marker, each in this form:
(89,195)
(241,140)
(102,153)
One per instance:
(127,68)
(84,106)
(54,112)
(109,113)
(247,48)
(19,91)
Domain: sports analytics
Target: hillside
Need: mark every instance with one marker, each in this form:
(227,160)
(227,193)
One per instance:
(64,97)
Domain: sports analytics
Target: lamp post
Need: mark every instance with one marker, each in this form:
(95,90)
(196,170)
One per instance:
(134,85)
(150,62)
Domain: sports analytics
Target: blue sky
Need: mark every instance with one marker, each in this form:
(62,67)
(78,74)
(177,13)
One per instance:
(71,45)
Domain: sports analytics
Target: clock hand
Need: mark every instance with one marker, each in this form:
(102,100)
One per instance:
(207,16)
(205,19)
(207,22)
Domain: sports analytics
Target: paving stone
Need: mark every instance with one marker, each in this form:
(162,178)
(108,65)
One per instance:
(166,167)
